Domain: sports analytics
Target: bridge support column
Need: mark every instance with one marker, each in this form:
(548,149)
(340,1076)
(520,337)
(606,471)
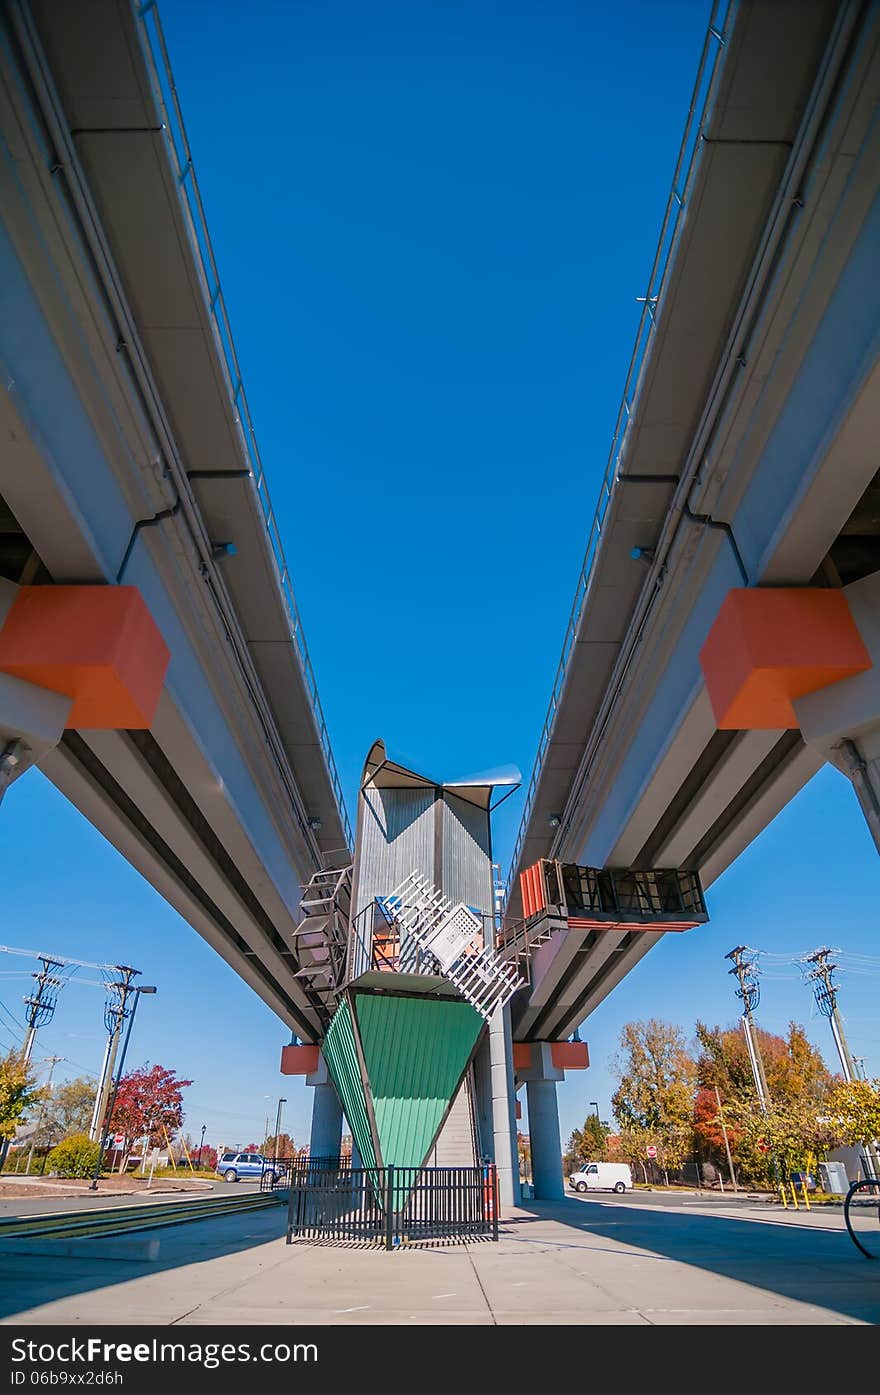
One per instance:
(325,1139)
(503,1107)
(864,775)
(842,720)
(541,1079)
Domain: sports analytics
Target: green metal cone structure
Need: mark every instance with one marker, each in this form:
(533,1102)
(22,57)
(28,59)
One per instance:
(397,1063)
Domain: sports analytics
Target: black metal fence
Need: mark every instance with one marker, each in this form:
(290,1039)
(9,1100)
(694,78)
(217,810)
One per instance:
(392,1206)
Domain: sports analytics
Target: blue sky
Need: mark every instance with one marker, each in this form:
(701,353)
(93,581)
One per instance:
(432,222)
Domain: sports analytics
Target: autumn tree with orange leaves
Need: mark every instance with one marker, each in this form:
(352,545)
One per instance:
(149,1103)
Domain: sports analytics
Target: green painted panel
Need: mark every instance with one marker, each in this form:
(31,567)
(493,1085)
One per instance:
(415,1051)
(340,1053)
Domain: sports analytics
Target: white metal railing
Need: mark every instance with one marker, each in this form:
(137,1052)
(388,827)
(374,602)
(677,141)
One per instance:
(673,219)
(431,925)
(165,93)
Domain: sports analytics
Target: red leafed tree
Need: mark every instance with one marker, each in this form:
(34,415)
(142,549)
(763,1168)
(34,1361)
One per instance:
(280,1147)
(707,1126)
(149,1102)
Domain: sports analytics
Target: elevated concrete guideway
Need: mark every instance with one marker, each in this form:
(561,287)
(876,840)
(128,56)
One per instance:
(128,458)
(745,456)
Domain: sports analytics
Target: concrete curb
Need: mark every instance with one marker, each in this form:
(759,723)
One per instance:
(126,1251)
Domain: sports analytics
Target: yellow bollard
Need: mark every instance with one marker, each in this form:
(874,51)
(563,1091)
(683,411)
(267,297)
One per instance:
(794,1196)
(186,1152)
(168,1146)
(782,1194)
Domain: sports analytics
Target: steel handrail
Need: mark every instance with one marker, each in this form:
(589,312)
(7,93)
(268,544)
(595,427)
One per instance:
(864,1182)
(673,221)
(165,93)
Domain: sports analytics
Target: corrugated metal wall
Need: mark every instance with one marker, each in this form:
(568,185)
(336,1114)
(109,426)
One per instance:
(340,1053)
(396,838)
(415,1051)
(466,873)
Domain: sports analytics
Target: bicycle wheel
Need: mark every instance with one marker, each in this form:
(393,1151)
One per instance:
(861,1211)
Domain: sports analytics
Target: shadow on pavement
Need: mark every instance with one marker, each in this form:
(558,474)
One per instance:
(803,1262)
(30,1280)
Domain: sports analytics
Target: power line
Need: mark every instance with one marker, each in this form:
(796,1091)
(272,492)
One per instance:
(59,959)
(15,1022)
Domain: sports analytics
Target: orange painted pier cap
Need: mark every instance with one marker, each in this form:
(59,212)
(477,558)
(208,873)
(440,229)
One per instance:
(770,645)
(570,1055)
(299,1060)
(565,1055)
(98,645)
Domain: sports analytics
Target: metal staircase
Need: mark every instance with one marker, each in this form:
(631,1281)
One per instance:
(519,939)
(438,936)
(321,938)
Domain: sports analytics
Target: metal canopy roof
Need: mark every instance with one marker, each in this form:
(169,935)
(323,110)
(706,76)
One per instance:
(384,773)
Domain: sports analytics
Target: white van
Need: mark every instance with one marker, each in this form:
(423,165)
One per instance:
(614,1177)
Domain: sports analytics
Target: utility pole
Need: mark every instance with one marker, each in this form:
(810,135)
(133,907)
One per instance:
(749,993)
(111,1102)
(115,1013)
(52,1063)
(40,1010)
(41,1005)
(278,1127)
(825,992)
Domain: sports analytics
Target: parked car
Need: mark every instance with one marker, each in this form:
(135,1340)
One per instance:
(231,1166)
(615,1177)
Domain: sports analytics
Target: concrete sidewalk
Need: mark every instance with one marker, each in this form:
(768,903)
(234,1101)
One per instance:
(582,1261)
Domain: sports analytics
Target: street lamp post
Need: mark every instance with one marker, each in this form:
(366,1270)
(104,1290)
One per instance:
(105,1122)
(278,1124)
(594,1105)
(201,1144)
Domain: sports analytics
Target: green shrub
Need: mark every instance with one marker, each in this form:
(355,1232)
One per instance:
(73,1157)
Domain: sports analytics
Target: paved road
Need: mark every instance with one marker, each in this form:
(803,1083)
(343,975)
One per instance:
(705,1200)
(632,1260)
